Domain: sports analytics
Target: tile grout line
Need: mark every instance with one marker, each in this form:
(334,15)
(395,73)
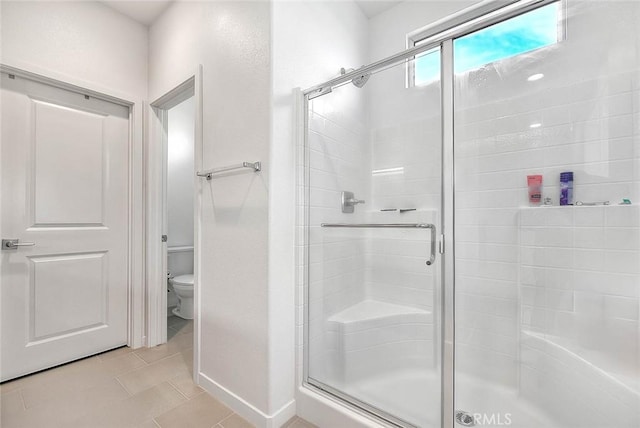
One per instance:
(224,419)
(122,385)
(179,392)
(135,354)
(24,405)
(161,359)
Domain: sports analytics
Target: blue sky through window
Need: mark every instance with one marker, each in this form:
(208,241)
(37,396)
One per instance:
(514,36)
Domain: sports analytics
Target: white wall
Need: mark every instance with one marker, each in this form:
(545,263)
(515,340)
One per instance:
(388,31)
(85,41)
(232,42)
(180,173)
(311,42)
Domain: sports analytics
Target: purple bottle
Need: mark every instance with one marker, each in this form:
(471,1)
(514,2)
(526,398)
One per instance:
(566,188)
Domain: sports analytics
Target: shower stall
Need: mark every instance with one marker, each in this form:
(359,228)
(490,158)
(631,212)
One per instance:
(438,292)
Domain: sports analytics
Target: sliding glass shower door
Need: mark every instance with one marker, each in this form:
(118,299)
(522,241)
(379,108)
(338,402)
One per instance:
(373,192)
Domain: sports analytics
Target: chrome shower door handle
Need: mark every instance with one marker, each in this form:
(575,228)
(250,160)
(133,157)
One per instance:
(432,256)
(13,244)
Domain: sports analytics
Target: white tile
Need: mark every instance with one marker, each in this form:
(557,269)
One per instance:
(589,237)
(560,216)
(560,300)
(558,236)
(618,126)
(532,256)
(616,105)
(589,130)
(532,217)
(559,278)
(533,296)
(557,115)
(532,275)
(616,283)
(622,216)
(559,257)
(592,259)
(622,261)
(589,216)
(622,239)
(621,307)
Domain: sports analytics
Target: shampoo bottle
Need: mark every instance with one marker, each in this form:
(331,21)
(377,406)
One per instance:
(566,188)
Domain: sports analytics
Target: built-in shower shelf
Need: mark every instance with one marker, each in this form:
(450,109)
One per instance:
(375,313)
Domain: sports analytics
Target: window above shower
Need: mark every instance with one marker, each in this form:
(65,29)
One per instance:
(521,34)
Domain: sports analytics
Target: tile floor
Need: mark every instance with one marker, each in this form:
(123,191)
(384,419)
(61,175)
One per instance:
(145,388)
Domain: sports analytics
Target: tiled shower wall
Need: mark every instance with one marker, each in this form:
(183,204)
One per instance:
(337,156)
(585,114)
(405,141)
(579,303)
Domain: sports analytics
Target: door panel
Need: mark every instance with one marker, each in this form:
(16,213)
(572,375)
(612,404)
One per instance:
(373,280)
(65,188)
(83,295)
(67,191)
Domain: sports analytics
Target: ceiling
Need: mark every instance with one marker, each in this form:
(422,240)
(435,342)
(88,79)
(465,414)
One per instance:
(147,11)
(143,11)
(372,8)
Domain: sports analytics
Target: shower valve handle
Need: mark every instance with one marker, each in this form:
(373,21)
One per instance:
(349,201)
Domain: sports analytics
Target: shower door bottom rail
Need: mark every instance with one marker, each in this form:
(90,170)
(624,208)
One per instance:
(362,406)
(432,227)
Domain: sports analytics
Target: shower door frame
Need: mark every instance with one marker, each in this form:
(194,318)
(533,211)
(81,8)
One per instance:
(438,35)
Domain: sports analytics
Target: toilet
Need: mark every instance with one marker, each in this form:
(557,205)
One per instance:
(183,287)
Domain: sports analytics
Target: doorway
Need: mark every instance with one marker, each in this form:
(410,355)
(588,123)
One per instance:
(172,216)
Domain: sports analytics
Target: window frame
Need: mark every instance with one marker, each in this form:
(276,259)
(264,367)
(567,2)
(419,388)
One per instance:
(414,38)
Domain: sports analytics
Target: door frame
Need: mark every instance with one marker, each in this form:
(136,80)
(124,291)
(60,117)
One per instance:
(156,254)
(135,222)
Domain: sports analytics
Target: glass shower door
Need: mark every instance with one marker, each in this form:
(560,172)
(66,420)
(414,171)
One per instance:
(547,277)
(373,155)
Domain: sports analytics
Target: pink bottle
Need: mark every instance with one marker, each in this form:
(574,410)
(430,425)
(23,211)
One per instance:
(534,182)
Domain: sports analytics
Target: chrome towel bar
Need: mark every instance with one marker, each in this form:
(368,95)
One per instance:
(432,256)
(256,166)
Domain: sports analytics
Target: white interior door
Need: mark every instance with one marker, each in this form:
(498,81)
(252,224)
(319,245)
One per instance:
(64,171)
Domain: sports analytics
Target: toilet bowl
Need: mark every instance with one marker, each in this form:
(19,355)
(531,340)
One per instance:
(183,287)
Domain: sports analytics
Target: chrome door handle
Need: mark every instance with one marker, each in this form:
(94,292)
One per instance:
(13,244)
(432,256)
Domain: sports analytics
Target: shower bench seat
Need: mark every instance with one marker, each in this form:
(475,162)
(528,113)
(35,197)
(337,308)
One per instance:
(374,337)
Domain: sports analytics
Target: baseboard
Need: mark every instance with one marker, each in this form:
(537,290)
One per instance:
(245,409)
(283,415)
